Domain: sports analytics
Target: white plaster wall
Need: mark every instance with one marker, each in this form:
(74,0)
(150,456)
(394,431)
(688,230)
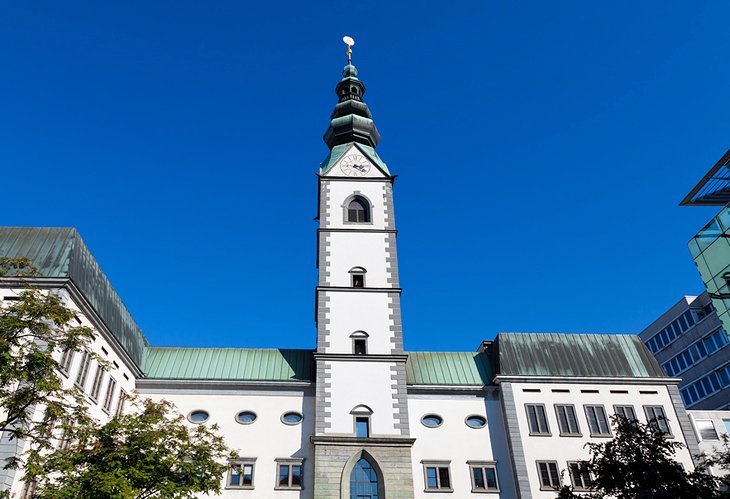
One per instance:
(340,191)
(457,442)
(564,449)
(359,311)
(266,439)
(355,383)
(358,249)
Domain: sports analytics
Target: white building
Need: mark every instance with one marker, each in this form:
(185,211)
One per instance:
(358,417)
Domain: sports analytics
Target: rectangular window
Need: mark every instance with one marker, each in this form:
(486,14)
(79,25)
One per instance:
(597,421)
(240,474)
(549,475)
(362,427)
(83,370)
(437,475)
(657,419)
(66,360)
(109,394)
(120,403)
(359,346)
(625,411)
(537,419)
(706,429)
(567,420)
(96,385)
(579,475)
(289,474)
(358,280)
(483,476)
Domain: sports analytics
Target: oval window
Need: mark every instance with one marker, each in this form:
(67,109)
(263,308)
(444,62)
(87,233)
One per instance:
(432,420)
(246,417)
(198,416)
(291,418)
(476,421)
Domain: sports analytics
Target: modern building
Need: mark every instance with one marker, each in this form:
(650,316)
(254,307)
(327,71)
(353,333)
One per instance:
(359,417)
(689,342)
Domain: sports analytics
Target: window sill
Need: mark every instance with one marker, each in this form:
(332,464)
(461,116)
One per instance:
(601,435)
(439,491)
(239,487)
(541,434)
(286,488)
(571,435)
(485,491)
(550,489)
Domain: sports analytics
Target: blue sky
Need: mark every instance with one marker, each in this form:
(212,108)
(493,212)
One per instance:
(542,149)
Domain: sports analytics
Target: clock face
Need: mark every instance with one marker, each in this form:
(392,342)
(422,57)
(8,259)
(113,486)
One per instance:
(355,165)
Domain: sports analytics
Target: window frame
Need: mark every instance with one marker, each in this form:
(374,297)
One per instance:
(290,463)
(65,362)
(483,466)
(538,433)
(437,465)
(649,419)
(123,396)
(562,433)
(363,418)
(242,462)
(598,433)
(582,470)
(624,406)
(366,204)
(83,373)
(551,487)
(699,430)
(109,398)
(96,384)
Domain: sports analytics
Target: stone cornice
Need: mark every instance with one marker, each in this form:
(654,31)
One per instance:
(362,442)
(350,357)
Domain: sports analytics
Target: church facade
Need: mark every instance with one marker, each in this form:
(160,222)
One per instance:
(359,417)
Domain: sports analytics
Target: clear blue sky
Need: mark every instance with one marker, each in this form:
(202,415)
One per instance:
(542,149)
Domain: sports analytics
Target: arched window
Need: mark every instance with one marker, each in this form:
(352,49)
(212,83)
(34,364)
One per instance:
(363,481)
(358,211)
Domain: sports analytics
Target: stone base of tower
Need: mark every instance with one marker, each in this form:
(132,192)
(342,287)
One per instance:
(335,457)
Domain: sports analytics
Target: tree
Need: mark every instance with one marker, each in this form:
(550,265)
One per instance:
(148,452)
(638,463)
(31,329)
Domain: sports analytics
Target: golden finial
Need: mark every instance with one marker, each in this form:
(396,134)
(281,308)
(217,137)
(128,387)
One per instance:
(350,42)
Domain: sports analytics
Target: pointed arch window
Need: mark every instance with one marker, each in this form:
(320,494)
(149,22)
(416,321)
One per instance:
(358,210)
(363,481)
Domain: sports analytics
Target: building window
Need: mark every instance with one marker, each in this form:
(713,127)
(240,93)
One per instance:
(483,476)
(66,360)
(357,277)
(362,426)
(29,490)
(597,421)
(475,421)
(120,403)
(109,395)
(549,476)
(625,411)
(657,419)
(537,419)
(96,385)
(246,417)
(240,474)
(358,210)
(198,416)
(289,474)
(432,420)
(567,420)
(83,370)
(359,342)
(579,475)
(706,429)
(291,418)
(437,474)
(364,481)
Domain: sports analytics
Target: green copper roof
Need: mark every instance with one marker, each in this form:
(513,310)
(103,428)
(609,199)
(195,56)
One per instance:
(584,355)
(338,151)
(240,364)
(61,253)
(449,368)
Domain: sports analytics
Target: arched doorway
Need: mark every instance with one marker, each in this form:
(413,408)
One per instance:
(363,481)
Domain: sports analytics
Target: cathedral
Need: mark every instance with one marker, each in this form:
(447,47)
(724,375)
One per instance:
(358,417)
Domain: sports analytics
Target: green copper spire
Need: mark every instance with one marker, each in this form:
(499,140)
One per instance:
(351,120)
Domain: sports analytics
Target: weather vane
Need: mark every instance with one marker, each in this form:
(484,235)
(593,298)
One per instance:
(350,42)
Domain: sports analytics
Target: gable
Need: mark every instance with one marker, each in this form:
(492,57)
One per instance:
(331,166)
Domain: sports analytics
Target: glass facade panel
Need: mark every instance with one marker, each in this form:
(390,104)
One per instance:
(711,253)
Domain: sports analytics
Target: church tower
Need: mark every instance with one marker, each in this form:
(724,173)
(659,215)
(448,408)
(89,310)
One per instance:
(362,441)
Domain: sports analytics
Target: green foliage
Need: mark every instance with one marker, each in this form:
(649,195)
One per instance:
(32,328)
(149,452)
(638,463)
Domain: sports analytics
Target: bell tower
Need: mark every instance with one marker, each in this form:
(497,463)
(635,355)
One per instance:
(361,408)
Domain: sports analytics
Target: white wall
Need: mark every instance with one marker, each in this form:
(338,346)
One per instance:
(564,449)
(710,445)
(266,439)
(457,442)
